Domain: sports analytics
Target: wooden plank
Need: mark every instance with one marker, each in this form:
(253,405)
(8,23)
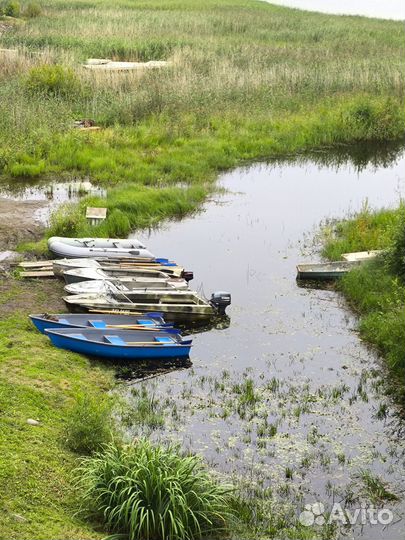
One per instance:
(39,274)
(35,264)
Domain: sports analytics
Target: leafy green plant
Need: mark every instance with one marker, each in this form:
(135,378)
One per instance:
(52,80)
(88,424)
(142,491)
(32,9)
(12,9)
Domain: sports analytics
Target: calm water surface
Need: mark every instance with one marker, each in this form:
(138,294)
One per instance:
(319,411)
(388,9)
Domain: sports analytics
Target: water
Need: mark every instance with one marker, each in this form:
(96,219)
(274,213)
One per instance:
(390,9)
(52,194)
(317,385)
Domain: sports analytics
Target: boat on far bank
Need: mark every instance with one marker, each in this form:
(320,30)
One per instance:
(325,271)
(361,255)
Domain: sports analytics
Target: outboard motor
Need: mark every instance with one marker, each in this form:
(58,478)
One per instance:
(188,275)
(220,300)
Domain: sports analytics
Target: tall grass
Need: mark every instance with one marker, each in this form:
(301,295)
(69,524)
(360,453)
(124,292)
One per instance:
(247,80)
(143,492)
(376,290)
(88,423)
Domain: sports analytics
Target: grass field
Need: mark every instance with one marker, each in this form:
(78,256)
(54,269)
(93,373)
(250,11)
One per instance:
(247,80)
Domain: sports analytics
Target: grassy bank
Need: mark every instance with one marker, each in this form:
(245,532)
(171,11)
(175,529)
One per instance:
(377,290)
(39,382)
(247,80)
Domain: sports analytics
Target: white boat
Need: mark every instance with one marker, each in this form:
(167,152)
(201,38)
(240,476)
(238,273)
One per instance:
(125,285)
(174,306)
(98,247)
(361,255)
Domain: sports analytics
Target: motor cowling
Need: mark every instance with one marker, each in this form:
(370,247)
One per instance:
(220,300)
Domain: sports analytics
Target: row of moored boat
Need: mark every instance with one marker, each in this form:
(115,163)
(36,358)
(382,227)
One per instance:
(124,295)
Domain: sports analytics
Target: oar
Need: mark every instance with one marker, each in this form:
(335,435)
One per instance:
(116,312)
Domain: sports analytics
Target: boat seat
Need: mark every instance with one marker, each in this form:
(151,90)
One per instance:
(63,321)
(97,324)
(78,336)
(164,340)
(115,340)
(145,322)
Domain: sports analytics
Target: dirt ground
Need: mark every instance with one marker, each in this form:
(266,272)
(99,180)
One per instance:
(18,223)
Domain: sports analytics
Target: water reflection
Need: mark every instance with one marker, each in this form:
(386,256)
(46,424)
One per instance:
(318,405)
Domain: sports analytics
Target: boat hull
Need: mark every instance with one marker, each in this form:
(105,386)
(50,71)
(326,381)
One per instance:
(325,271)
(118,352)
(69,320)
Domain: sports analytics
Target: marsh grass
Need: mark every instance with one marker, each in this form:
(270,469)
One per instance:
(376,290)
(246,81)
(376,490)
(144,491)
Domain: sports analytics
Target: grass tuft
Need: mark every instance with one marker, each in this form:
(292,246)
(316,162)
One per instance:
(144,491)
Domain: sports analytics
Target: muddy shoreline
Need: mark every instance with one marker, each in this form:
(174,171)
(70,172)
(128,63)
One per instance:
(18,222)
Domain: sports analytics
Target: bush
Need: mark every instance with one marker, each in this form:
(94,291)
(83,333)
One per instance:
(52,80)
(32,10)
(142,491)
(12,9)
(89,424)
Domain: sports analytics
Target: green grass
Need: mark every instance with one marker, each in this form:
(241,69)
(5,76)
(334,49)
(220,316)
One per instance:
(247,81)
(143,491)
(376,290)
(38,381)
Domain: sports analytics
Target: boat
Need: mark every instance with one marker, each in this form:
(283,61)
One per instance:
(98,247)
(125,285)
(181,306)
(361,256)
(120,344)
(325,271)
(78,275)
(86,320)
(120,268)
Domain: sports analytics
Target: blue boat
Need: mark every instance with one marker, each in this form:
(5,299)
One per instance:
(121,344)
(87,320)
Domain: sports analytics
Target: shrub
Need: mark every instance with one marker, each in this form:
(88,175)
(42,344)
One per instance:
(12,9)
(142,491)
(89,424)
(32,10)
(52,80)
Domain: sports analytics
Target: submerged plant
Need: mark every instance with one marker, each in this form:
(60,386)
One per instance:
(142,491)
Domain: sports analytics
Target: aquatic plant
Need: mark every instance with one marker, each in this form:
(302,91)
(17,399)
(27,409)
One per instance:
(144,491)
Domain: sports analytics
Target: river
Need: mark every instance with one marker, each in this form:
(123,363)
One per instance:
(319,413)
(390,9)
